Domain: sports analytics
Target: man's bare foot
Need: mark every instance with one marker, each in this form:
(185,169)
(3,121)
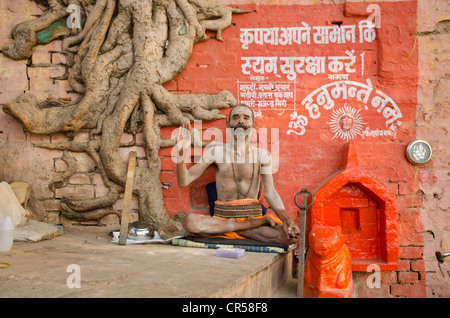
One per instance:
(255,222)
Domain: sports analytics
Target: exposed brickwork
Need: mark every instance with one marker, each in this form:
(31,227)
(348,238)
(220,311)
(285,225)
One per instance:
(420,193)
(410,276)
(432,125)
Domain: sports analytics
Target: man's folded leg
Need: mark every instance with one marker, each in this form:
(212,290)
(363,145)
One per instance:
(207,226)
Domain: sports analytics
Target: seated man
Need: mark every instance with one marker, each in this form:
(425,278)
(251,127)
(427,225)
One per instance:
(239,168)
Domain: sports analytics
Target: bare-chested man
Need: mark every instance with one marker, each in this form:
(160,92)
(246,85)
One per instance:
(238,166)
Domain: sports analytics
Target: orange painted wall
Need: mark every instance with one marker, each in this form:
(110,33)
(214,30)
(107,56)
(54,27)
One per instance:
(309,154)
(312,142)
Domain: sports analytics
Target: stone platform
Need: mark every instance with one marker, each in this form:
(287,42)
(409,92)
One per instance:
(108,270)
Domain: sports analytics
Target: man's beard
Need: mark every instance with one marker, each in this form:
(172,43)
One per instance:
(241,131)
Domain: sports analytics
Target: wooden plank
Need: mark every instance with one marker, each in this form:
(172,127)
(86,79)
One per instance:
(125,219)
(304,206)
(301,248)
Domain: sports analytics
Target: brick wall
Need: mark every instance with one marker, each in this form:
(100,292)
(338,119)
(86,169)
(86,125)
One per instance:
(391,62)
(432,120)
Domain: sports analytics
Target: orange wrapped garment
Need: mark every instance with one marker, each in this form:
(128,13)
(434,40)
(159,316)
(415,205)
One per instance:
(238,210)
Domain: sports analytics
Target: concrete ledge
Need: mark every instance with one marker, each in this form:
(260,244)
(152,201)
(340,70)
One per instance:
(154,270)
(262,281)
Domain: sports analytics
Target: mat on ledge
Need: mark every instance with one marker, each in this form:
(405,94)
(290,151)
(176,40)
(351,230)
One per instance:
(246,244)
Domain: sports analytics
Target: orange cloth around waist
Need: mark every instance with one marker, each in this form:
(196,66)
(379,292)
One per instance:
(234,235)
(238,202)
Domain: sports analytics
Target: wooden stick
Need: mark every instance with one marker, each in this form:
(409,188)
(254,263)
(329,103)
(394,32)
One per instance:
(301,248)
(125,220)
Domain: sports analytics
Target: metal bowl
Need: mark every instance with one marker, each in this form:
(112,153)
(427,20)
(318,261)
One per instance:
(139,231)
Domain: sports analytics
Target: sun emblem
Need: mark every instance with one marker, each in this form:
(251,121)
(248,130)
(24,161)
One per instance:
(346,123)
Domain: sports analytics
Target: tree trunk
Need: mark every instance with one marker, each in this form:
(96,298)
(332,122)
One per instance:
(118,61)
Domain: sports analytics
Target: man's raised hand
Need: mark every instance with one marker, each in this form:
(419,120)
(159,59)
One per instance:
(183,140)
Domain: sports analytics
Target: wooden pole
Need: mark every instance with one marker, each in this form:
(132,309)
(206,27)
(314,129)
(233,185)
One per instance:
(125,219)
(301,248)
(304,206)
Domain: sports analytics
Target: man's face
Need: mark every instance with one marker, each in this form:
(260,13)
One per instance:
(241,119)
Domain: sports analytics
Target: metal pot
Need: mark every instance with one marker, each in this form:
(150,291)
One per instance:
(139,231)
